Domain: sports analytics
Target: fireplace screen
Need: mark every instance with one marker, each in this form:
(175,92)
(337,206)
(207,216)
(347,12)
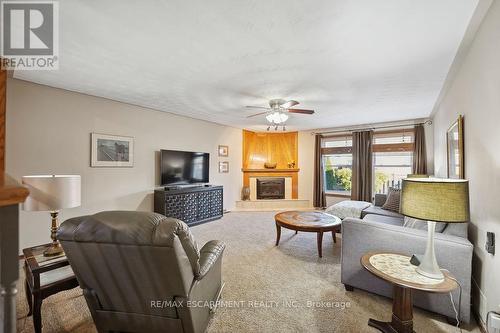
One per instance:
(270,188)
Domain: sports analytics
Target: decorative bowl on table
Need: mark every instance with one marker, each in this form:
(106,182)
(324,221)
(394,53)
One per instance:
(269,165)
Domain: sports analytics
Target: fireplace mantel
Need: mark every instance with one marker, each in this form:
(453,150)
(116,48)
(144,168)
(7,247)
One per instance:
(270,170)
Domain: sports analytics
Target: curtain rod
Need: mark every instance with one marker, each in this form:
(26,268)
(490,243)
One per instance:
(427,122)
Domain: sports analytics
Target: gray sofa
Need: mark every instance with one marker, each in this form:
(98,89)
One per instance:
(382,230)
(133,266)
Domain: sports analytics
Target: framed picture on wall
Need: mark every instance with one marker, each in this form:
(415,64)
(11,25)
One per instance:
(111,151)
(455,149)
(223,151)
(223,167)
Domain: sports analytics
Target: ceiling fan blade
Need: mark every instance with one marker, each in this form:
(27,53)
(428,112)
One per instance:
(303,111)
(258,107)
(257,114)
(289,104)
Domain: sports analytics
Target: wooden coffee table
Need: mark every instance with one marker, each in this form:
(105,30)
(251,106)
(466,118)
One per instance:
(396,269)
(308,221)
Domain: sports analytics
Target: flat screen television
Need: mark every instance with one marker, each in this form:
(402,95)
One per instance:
(184,167)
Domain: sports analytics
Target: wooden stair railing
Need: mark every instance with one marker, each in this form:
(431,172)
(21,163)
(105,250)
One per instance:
(11,195)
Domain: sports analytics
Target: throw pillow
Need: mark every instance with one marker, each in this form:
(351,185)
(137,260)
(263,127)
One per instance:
(393,199)
(410,222)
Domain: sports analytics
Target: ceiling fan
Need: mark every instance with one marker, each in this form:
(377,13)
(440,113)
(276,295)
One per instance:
(277,112)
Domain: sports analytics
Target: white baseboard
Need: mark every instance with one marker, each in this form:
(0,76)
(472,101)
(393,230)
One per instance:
(480,306)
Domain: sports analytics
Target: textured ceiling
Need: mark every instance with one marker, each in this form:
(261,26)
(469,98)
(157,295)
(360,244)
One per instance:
(352,61)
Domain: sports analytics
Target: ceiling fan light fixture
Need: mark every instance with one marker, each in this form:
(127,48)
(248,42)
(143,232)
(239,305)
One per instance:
(277,117)
(284,117)
(278,112)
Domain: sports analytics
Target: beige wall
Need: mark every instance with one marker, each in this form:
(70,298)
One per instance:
(48,132)
(306,165)
(475,93)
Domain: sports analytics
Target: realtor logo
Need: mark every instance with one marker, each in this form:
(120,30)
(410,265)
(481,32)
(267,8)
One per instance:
(30,35)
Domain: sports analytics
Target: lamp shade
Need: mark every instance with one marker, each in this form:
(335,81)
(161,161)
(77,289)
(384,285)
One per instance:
(433,199)
(52,192)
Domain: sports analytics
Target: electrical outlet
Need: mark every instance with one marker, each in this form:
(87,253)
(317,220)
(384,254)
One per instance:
(490,242)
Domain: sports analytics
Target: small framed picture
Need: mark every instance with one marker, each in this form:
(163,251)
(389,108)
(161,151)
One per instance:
(223,167)
(223,151)
(111,151)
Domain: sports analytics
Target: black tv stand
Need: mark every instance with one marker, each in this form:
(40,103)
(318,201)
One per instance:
(193,204)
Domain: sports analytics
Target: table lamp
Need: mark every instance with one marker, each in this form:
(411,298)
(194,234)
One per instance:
(52,193)
(434,200)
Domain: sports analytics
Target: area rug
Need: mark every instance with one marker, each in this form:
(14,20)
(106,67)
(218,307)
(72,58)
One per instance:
(285,288)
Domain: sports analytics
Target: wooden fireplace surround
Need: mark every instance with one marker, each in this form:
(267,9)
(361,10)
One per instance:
(279,148)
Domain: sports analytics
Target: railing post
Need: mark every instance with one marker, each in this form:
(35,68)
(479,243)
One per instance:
(9,266)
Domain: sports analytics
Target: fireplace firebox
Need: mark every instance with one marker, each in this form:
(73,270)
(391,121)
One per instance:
(270,188)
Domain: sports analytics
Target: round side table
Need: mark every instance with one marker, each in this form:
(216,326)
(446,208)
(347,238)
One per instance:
(396,269)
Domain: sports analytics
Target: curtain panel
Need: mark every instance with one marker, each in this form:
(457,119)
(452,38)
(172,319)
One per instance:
(419,153)
(362,165)
(319,198)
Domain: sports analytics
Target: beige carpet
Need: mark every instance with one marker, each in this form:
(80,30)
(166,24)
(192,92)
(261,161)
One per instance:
(267,288)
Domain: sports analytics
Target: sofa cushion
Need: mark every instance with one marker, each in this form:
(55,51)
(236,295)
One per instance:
(456,229)
(393,199)
(380,211)
(348,208)
(380,199)
(410,222)
(384,219)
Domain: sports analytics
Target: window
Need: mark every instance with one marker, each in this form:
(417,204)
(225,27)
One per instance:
(338,173)
(337,164)
(390,168)
(337,142)
(392,158)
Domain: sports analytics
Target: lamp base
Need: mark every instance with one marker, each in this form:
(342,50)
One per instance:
(53,250)
(438,275)
(428,266)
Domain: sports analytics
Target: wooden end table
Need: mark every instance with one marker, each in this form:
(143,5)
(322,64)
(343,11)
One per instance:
(396,269)
(308,221)
(45,276)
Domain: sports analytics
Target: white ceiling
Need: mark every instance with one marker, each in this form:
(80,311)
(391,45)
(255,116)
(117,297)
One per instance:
(352,61)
